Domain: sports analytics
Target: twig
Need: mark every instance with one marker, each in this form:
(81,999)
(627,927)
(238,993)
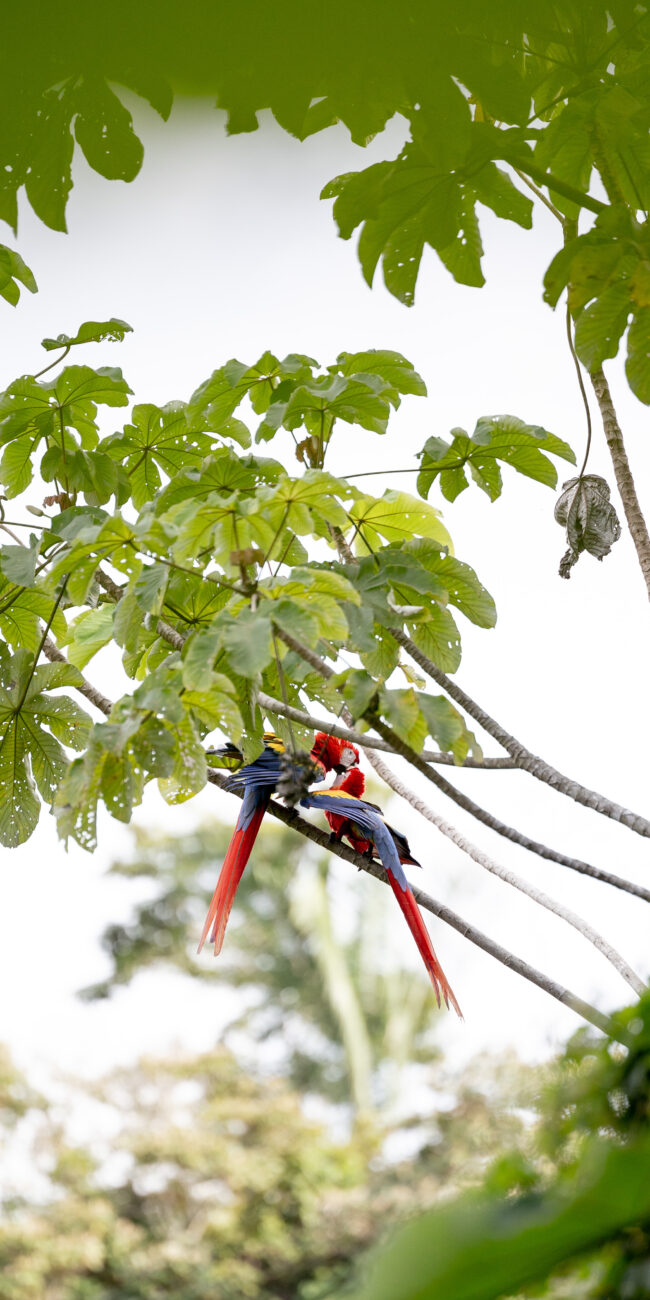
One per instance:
(539,193)
(516,964)
(538,896)
(371,742)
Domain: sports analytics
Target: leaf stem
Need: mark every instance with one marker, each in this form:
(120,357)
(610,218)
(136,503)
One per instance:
(57,361)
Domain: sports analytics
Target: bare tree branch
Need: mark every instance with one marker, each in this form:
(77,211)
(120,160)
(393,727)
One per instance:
(538,896)
(526,760)
(52,652)
(523,757)
(516,964)
(371,742)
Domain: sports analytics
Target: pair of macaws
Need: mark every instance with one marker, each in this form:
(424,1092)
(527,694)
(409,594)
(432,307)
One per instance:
(348,815)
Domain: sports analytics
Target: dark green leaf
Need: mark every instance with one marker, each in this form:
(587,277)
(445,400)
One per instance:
(104,129)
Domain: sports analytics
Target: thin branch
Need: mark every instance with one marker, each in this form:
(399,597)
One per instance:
(584,1009)
(371,742)
(539,193)
(52,652)
(624,480)
(510,878)
(559,186)
(525,759)
(5,528)
(398,746)
(105,581)
(57,361)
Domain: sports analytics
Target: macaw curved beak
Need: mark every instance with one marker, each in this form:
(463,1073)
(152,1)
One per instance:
(347,758)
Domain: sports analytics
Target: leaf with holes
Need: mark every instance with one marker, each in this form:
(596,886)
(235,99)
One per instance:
(438,637)
(32,761)
(496,438)
(92,331)
(396,516)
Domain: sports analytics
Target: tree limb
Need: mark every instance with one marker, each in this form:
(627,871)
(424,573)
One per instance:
(624,480)
(371,742)
(52,652)
(524,758)
(584,1009)
(538,896)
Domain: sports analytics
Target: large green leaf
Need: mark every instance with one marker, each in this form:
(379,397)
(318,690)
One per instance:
(501,438)
(104,129)
(396,516)
(159,440)
(421,199)
(479,1248)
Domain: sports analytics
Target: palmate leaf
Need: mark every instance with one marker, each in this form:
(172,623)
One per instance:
(318,403)
(397,373)
(420,200)
(193,601)
(502,438)
(33,410)
(396,517)
(32,761)
(222,472)
(159,440)
(20,611)
(608,273)
(216,399)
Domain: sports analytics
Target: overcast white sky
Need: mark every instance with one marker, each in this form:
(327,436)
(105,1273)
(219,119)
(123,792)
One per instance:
(221,248)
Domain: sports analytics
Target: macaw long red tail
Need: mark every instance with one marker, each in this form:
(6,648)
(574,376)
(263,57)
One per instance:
(254,806)
(420,933)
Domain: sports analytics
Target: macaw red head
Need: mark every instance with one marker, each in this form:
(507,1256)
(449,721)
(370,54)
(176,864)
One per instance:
(333,753)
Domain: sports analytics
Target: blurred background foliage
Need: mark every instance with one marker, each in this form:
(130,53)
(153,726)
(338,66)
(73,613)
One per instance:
(266,1167)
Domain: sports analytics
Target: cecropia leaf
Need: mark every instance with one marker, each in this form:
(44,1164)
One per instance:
(591,522)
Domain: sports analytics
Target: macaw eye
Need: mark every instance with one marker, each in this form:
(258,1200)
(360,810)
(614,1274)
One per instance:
(348,757)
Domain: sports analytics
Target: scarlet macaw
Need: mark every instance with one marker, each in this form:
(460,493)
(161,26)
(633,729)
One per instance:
(363,825)
(259,780)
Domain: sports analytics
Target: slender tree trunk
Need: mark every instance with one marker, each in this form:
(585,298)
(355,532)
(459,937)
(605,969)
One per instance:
(625,482)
